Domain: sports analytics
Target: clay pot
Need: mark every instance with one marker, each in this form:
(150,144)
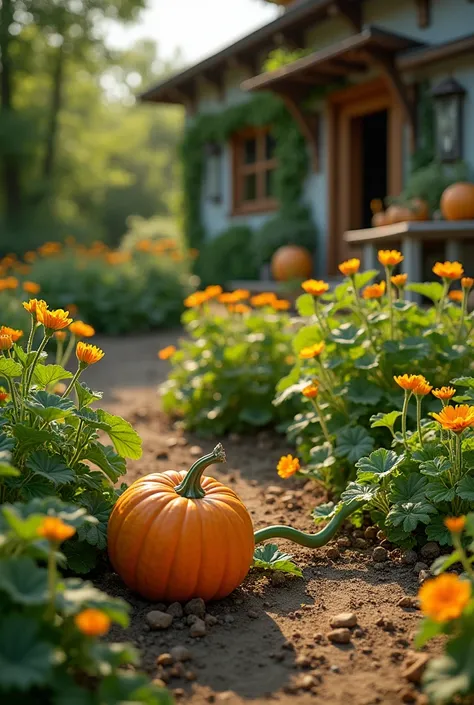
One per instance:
(457,201)
(291,262)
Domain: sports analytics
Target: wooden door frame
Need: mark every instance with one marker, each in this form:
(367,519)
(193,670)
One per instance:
(344,157)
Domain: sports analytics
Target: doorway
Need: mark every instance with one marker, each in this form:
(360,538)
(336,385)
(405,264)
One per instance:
(374,162)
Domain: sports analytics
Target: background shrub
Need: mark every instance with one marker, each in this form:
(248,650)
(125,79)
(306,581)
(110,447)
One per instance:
(288,228)
(228,257)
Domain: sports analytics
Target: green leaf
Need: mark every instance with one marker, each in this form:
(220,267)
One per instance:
(385,420)
(9,368)
(24,582)
(305,305)
(442,563)
(353,442)
(410,514)
(79,594)
(346,334)
(429,452)
(306,336)
(112,464)
(131,688)
(380,464)
(30,437)
(437,466)
(438,491)
(358,492)
(85,395)
(465,488)
(25,660)
(432,290)
(463,382)
(269,557)
(363,392)
(50,407)
(24,528)
(290,391)
(52,467)
(7,470)
(45,375)
(323,512)
(6,443)
(363,278)
(81,556)
(255,416)
(452,674)
(408,489)
(437,531)
(321,456)
(367,362)
(126,440)
(35,487)
(428,630)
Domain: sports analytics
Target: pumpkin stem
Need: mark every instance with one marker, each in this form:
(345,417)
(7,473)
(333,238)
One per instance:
(190,487)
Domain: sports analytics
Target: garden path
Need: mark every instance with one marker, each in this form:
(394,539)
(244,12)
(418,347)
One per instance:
(270,641)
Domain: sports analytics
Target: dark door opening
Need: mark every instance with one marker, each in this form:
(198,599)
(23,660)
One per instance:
(374,161)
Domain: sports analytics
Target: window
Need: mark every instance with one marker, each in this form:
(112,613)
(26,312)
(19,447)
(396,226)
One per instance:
(254,167)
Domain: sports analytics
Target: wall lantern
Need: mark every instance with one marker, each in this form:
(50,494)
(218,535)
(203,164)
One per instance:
(213,152)
(448,97)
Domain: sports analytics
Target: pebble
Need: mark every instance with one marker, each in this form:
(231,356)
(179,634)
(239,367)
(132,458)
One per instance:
(358,633)
(386,624)
(430,551)
(177,671)
(407,602)
(181,653)
(253,614)
(420,566)
(423,575)
(159,683)
(360,543)
(414,667)
(274,489)
(159,620)
(381,536)
(190,675)
(408,696)
(210,620)
(198,628)
(307,682)
(409,557)
(344,542)
(195,451)
(175,609)
(278,579)
(333,552)
(172,442)
(339,636)
(302,661)
(344,619)
(195,606)
(178,693)
(371,533)
(164,660)
(228,619)
(379,554)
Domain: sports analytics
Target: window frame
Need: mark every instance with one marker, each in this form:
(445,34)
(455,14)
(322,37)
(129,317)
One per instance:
(260,167)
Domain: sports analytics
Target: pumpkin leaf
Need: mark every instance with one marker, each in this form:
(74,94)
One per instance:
(25,660)
(126,440)
(45,375)
(380,464)
(30,437)
(268,557)
(353,442)
(110,462)
(23,581)
(9,368)
(49,407)
(52,467)
(81,556)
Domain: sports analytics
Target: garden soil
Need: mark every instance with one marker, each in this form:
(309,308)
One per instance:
(268,641)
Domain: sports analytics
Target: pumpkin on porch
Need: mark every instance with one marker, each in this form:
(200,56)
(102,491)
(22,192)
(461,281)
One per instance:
(291,262)
(457,201)
(174,535)
(397,214)
(419,209)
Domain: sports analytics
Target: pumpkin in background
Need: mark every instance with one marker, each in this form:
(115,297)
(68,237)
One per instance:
(457,201)
(419,209)
(174,535)
(291,262)
(397,214)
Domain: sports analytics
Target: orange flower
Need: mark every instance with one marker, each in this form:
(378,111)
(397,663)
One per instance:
(422,388)
(8,283)
(31,288)
(88,354)
(81,329)
(55,530)
(350,267)
(281,305)
(467,283)
(33,306)
(399,280)
(213,291)
(311,351)
(311,391)
(265,299)
(316,287)
(287,466)
(196,299)
(241,294)
(444,598)
(374,291)
(92,622)
(166,353)
(444,393)
(60,335)
(456,418)
(409,382)
(448,270)
(53,320)
(228,298)
(6,342)
(4,395)
(390,258)
(14,334)
(455,524)
(29,256)
(241,308)
(456,295)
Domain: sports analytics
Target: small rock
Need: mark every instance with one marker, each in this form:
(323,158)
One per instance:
(234,437)
(409,557)
(178,693)
(175,609)
(275,489)
(371,533)
(386,624)
(302,661)
(196,606)
(339,636)
(177,671)
(181,653)
(358,633)
(360,543)
(172,442)
(386,544)
(191,618)
(278,579)
(226,695)
(307,682)
(344,542)
(198,628)
(430,551)
(408,696)
(414,667)
(395,555)
(344,619)
(159,683)
(228,619)
(406,602)
(190,675)
(195,451)
(253,614)
(159,620)
(420,566)
(333,552)
(379,554)
(164,660)
(423,575)
(381,536)
(210,620)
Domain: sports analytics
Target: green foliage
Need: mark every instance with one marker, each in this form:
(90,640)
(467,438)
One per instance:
(428,182)
(282,57)
(290,227)
(269,557)
(228,257)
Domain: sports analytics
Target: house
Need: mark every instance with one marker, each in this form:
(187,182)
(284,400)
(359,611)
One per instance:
(363,89)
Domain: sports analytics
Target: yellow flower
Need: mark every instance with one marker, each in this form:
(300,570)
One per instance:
(390,258)
(374,291)
(448,270)
(311,351)
(213,291)
(53,320)
(31,288)
(287,466)
(265,299)
(228,298)
(33,306)
(349,267)
(196,299)
(456,295)
(409,382)
(316,287)
(311,391)
(241,308)
(281,305)
(455,418)
(4,395)
(444,393)
(29,256)
(6,342)
(422,388)
(92,622)
(166,353)
(455,524)
(399,280)
(54,529)
(14,334)
(60,335)
(444,598)
(467,283)
(81,329)
(241,294)
(88,354)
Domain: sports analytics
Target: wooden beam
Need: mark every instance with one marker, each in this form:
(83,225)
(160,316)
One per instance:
(424,13)
(387,63)
(308,124)
(216,80)
(352,11)
(238,63)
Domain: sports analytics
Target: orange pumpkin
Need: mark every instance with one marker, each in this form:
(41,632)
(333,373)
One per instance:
(457,202)
(291,262)
(419,209)
(379,219)
(397,214)
(174,535)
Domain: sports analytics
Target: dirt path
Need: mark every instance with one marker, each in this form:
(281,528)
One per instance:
(270,641)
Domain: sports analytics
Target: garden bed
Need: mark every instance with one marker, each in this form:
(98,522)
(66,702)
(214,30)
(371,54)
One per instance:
(270,641)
